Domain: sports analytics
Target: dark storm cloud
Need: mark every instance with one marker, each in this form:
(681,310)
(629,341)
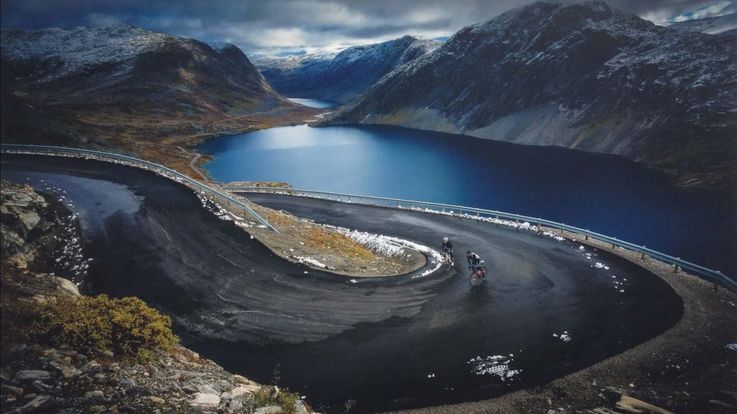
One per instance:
(312,25)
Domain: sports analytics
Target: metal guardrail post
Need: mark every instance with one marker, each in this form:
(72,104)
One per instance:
(134,162)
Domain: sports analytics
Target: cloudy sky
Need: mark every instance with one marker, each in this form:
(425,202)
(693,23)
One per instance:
(313,26)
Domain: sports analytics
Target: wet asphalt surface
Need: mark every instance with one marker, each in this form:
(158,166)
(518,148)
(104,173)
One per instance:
(377,344)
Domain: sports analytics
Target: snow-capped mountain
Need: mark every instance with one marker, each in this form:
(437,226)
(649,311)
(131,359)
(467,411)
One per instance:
(123,65)
(344,76)
(580,76)
(118,83)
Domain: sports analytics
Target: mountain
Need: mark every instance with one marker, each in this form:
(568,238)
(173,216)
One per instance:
(580,76)
(346,75)
(710,25)
(124,87)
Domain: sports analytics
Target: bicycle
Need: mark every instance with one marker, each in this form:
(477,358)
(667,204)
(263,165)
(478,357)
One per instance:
(478,274)
(448,259)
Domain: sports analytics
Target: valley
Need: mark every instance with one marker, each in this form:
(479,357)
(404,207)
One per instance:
(283,255)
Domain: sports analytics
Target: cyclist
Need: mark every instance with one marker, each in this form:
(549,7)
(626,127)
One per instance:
(447,247)
(474,262)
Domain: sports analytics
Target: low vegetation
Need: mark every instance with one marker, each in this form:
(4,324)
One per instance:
(266,396)
(299,238)
(94,325)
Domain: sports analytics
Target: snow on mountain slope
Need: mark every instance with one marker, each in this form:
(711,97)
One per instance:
(125,85)
(77,49)
(125,65)
(344,76)
(580,76)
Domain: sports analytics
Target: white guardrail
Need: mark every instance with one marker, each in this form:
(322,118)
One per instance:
(461,211)
(472,212)
(135,162)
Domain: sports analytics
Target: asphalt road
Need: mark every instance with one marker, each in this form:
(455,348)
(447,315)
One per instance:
(377,344)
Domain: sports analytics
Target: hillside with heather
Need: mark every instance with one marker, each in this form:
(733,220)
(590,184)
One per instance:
(129,88)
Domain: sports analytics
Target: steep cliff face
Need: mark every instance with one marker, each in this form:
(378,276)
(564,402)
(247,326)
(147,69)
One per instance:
(345,76)
(581,76)
(120,86)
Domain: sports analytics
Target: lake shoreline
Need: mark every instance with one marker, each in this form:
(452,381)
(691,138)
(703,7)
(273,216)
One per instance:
(612,195)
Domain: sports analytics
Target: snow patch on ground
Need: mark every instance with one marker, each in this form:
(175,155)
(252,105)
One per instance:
(553,235)
(221,212)
(377,243)
(312,261)
(393,246)
(565,336)
(69,257)
(732,347)
(498,365)
(618,283)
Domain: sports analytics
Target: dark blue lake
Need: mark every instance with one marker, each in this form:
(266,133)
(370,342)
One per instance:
(602,193)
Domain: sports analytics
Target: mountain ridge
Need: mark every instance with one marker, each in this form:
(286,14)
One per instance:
(125,88)
(580,76)
(345,75)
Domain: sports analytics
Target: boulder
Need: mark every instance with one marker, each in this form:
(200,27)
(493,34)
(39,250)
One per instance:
(9,389)
(39,403)
(40,386)
(206,389)
(94,395)
(156,400)
(301,408)
(67,371)
(243,389)
(205,401)
(31,375)
(91,367)
(65,286)
(127,383)
(240,379)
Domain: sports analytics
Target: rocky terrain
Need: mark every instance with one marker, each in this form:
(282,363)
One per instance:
(346,75)
(130,89)
(38,377)
(580,76)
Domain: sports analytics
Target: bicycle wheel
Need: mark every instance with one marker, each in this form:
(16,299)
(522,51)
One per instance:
(474,280)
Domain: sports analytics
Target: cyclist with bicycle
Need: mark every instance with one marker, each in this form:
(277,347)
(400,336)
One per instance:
(447,248)
(474,263)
